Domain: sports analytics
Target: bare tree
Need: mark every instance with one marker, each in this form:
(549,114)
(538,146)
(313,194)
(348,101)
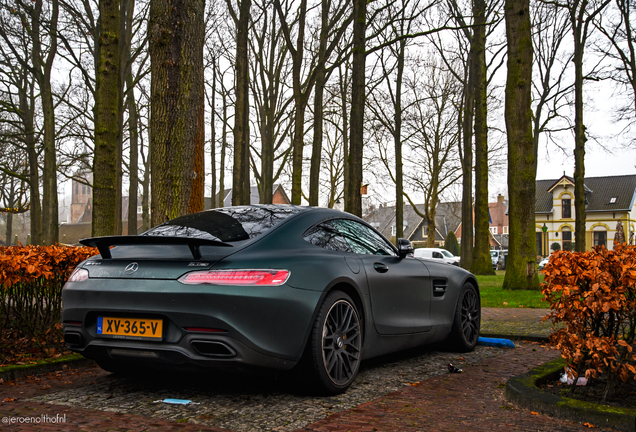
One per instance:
(241,173)
(271,73)
(522,152)
(107,151)
(42,31)
(581,14)
(620,36)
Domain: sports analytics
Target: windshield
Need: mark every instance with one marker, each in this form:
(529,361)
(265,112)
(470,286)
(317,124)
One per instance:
(447,254)
(493,254)
(225,224)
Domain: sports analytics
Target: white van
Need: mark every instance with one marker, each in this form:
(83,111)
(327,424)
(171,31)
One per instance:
(436,254)
(497,256)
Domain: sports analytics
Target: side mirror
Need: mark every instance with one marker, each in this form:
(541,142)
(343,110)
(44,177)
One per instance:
(405,248)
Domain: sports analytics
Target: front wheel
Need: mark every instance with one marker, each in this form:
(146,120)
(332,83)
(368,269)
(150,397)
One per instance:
(335,344)
(467,320)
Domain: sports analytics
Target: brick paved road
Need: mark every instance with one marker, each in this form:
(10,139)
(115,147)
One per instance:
(471,401)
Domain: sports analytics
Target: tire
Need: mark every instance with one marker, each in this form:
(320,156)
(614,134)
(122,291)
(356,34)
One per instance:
(334,350)
(467,320)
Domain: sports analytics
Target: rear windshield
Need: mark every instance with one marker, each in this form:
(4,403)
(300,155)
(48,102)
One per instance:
(225,224)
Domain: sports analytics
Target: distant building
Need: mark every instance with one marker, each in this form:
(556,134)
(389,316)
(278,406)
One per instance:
(447,218)
(81,197)
(499,225)
(278,196)
(608,200)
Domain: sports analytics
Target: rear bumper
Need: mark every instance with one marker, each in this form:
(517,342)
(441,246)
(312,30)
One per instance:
(255,327)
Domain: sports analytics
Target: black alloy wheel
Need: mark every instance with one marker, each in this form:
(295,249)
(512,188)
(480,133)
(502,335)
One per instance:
(336,343)
(467,321)
(470,315)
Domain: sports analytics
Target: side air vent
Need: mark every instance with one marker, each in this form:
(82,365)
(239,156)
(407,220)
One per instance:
(213,349)
(439,287)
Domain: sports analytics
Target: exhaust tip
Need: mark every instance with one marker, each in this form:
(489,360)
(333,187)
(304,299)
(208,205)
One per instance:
(213,348)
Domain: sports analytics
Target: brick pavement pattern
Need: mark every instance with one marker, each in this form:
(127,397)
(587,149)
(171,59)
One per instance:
(468,401)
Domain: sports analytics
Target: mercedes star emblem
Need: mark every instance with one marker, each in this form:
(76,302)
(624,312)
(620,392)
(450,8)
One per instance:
(131,268)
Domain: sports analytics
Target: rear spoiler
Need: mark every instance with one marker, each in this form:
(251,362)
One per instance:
(104,243)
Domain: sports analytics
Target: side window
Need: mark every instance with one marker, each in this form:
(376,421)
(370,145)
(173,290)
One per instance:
(437,255)
(326,236)
(362,239)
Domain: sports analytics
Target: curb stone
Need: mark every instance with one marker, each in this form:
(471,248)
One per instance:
(16,372)
(531,338)
(523,391)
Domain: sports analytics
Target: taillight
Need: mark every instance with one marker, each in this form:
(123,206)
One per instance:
(78,275)
(236,277)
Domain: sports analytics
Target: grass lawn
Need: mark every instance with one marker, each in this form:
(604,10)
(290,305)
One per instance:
(492,295)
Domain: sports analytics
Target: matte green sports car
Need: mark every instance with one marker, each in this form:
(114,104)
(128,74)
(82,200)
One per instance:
(263,286)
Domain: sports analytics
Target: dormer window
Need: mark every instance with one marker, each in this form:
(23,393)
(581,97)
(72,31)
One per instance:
(613,200)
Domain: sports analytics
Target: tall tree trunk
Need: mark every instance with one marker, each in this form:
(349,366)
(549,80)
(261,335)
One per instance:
(223,149)
(43,75)
(579,143)
(397,141)
(522,151)
(316,151)
(266,187)
(321,80)
(145,198)
(27,103)
(345,129)
(482,263)
(213,204)
(467,165)
(133,188)
(241,172)
(176,33)
(106,122)
(125,36)
(353,203)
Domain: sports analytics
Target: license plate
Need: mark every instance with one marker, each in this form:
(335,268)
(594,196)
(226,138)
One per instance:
(130,328)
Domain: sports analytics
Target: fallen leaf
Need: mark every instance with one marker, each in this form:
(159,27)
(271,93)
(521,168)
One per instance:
(534,413)
(589,425)
(9,399)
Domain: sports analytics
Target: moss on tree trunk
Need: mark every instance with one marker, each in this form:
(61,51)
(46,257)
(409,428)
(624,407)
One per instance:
(522,152)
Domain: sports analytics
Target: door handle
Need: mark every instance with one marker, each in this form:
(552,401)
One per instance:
(380,268)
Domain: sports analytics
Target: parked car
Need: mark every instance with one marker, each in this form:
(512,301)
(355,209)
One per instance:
(263,286)
(498,258)
(543,263)
(436,254)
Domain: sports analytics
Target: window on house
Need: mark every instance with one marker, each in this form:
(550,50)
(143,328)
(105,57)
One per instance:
(613,200)
(567,240)
(493,230)
(424,231)
(566,208)
(505,230)
(600,238)
(393,230)
(83,189)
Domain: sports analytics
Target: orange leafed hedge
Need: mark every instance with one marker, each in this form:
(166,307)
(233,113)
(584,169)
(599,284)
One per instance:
(593,295)
(31,280)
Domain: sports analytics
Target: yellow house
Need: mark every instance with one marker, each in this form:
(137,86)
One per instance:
(607,201)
